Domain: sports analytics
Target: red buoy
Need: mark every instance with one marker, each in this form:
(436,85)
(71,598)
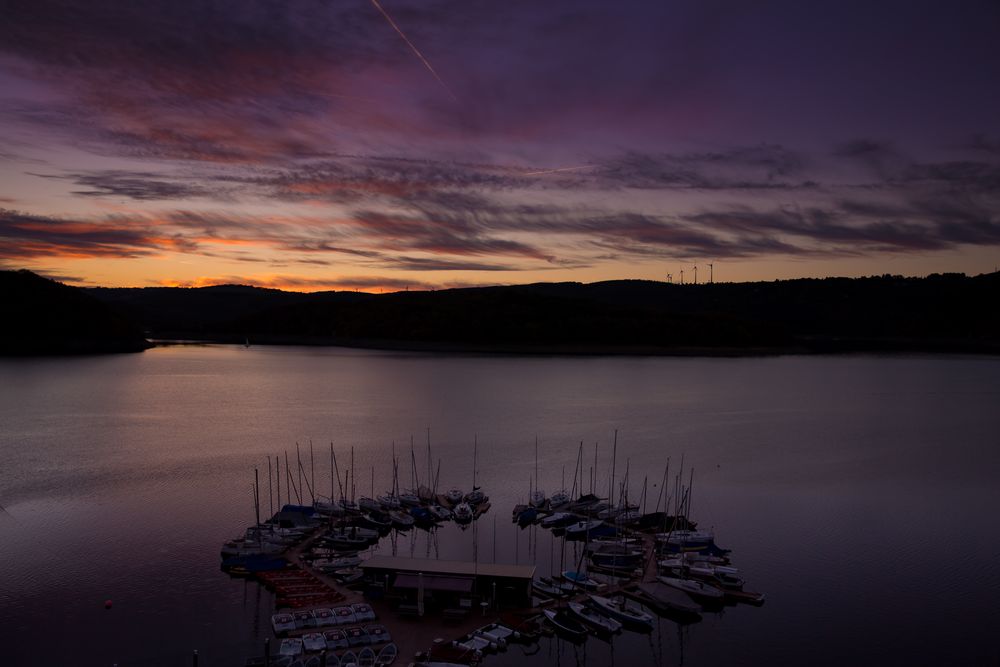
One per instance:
(107,604)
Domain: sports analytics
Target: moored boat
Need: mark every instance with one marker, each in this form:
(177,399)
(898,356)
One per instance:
(595,618)
(387,655)
(463,513)
(363,611)
(324,617)
(559,519)
(668,598)
(290,646)
(566,625)
(357,636)
(345,615)
(378,633)
(581,580)
(545,586)
(313,641)
(696,589)
(282,623)
(366,657)
(621,610)
(336,639)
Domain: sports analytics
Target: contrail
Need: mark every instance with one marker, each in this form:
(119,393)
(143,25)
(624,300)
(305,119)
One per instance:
(552,171)
(415,50)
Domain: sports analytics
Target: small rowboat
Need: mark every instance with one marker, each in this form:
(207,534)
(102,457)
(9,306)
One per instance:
(366,657)
(387,655)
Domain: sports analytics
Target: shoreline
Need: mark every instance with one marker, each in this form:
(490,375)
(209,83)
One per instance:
(804,348)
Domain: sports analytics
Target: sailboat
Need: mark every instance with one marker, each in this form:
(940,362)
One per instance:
(537,497)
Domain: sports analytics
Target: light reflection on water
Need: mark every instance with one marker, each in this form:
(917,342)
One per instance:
(858,492)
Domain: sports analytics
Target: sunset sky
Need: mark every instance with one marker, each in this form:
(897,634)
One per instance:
(355,144)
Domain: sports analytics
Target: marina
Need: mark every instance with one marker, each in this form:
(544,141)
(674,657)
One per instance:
(336,591)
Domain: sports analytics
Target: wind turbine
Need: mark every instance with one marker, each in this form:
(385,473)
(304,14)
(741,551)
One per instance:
(710,272)
(682,276)
(695,275)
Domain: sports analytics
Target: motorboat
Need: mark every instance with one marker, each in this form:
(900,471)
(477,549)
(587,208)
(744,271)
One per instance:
(499,642)
(537,498)
(363,611)
(313,641)
(282,623)
(378,634)
(499,633)
(349,659)
(324,618)
(243,547)
(357,636)
(475,497)
(304,618)
(454,496)
(345,616)
(336,639)
(290,646)
(474,643)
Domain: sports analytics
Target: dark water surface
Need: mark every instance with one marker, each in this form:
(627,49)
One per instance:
(860,493)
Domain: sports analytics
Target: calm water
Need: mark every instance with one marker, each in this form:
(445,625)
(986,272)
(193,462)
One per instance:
(859,493)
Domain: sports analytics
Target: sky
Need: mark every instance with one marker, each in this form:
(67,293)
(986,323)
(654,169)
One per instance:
(381,145)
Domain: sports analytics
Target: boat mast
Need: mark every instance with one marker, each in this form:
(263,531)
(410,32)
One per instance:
(298,460)
(536,467)
(312,471)
(611,484)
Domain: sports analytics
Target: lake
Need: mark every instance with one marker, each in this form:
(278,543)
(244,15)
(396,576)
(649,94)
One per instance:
(858,492)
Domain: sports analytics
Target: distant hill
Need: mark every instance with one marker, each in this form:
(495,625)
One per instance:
(949,312)
(939,313)
(42,316)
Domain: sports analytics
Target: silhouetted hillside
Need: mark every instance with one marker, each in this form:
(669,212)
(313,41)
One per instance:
(939,313)
(42,316)
(184,312)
